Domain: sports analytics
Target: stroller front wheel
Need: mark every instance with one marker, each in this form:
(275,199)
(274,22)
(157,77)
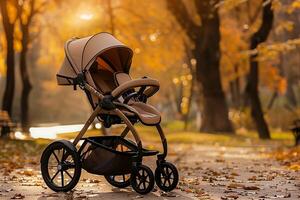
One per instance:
(142,179)
(120,181)
(60,166)
(166,176)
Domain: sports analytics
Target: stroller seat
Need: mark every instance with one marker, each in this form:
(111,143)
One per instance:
(146,113)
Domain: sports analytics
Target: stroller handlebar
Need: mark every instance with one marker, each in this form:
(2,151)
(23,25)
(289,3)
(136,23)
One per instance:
(151,84)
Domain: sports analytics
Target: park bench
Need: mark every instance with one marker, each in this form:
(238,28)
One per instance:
(296,131)
(6,125)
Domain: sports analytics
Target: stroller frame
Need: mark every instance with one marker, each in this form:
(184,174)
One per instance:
(100,155)
(129,127)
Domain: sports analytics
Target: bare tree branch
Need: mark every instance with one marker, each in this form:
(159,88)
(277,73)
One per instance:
(181,14)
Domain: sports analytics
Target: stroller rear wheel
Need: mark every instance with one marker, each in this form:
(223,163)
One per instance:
(142,179)
(166,176)
(60,166)
(120,181)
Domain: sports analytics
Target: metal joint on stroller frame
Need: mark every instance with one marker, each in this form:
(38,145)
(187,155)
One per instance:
(79,80)
(106,103)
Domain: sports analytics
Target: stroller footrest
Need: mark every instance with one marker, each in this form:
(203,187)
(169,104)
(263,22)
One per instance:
(149,152)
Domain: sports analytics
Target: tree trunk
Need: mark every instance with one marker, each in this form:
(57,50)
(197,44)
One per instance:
(206,38)
(272,100)
(25,25)
(290,93)
(25,79)
(215,113)
(235,90)
(253,80)
(187,114)
(10,62)
(178,95)
(10,76)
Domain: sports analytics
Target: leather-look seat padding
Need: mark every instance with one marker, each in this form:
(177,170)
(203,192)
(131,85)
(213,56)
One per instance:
(146,113)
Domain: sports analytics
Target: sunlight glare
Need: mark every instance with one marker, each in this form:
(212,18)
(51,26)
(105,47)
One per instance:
(19,135)
(86,16)
(98,125)
(52,131)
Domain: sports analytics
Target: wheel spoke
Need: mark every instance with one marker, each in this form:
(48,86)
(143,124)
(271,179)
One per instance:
(165,172)
(55,156)
(113,178)
(54,176)
(165,182)
(62,178)
(169,182)
(63,154)
(171,175)
(139,184)
(69,174)
(144,185)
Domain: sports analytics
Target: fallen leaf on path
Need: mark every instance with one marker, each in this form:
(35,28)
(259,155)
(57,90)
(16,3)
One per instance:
(295,167)
(230,197)
(251,188)
(234,174)
(18,196)
(235,186)
(26,172)
(138,197)
(168,194)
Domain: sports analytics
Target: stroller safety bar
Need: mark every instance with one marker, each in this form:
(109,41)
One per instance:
(151,83)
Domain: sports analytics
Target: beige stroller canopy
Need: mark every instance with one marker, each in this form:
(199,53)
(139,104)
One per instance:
(81,53)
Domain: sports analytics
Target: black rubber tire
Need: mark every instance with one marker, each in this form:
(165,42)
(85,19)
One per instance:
(142,176)
(119,184)
(166,173)
(68,150)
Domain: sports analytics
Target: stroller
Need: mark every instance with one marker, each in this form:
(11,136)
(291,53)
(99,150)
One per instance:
(100,66)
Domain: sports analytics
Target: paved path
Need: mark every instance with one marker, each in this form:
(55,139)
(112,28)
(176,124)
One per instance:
(206,172)
(236,173)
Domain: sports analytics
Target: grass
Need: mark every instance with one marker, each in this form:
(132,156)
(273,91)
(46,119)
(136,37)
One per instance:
(175,134)
(27,150)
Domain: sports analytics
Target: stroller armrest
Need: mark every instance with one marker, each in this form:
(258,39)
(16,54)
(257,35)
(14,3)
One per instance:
(151,84)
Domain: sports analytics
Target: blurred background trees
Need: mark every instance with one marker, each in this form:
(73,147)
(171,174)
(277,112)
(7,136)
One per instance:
(252,92)
(205,42)
(224,65)
(9,15)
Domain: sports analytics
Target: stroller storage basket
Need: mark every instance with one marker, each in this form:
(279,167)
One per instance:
(108,155)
